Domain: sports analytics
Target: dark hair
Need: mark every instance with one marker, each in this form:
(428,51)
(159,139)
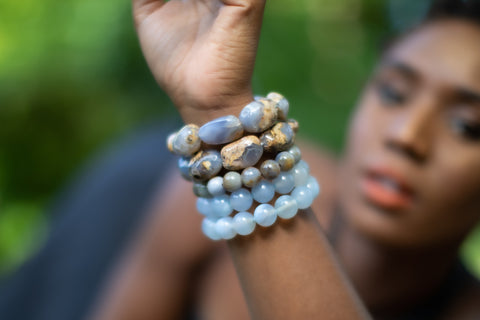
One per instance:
(454,9)
(407,16)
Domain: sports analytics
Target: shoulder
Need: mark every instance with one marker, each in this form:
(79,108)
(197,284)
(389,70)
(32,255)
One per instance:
(323,166)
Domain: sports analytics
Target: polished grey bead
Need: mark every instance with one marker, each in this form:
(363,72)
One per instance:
(205,164)
(281,104)
(251,176)
(242,153)
(285,160)
(184,168)
(270,169)
(279,138)
(222,130)
(232,181)
(259,115)
(200,190)
(293,124)
(296,153)
(186,141)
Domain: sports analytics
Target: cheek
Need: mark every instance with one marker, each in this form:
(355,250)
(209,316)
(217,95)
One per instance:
(456,184)
(363,129)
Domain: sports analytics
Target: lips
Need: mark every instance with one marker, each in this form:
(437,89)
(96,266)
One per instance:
(386,188)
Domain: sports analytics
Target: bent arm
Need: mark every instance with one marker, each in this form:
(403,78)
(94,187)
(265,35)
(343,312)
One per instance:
(288,271)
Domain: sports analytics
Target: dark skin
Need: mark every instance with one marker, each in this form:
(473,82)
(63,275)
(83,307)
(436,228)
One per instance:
(400,223)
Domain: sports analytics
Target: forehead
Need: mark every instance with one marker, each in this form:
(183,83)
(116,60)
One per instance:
(447,51)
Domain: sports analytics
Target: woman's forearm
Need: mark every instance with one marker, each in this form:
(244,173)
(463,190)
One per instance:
(288,271)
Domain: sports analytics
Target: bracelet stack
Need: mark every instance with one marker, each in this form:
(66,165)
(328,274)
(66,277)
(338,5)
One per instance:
(236,162)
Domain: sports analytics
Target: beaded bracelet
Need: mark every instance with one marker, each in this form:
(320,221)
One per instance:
(268,133)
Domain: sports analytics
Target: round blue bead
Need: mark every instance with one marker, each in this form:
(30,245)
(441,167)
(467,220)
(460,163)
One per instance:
(244,223)
(313,185)
(241,200)
(265,215)
(224,228)
(221,206)
(263,192)
(204,207)
(286,207)
(208,228)
(215,186)
(303,196)
(284,183)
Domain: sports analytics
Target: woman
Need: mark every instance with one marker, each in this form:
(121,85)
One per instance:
(405,197)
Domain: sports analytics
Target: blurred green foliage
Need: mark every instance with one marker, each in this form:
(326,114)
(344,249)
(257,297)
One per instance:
(72,78)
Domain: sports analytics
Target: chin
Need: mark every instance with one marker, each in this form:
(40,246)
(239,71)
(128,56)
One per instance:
(385,227)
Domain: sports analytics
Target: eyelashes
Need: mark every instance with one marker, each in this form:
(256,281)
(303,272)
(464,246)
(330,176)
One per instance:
(467,129)
(389,94)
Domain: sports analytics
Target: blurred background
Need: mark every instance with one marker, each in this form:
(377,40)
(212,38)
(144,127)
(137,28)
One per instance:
(73,80)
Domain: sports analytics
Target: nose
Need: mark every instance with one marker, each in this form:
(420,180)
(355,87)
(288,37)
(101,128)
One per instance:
(410,131)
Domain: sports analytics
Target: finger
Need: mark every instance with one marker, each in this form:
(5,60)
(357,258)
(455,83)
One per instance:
(143,8)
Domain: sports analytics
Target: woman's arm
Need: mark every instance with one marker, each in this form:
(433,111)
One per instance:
(288,271)
(202,53)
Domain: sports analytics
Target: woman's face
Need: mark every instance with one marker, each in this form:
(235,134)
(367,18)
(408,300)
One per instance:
(411,173)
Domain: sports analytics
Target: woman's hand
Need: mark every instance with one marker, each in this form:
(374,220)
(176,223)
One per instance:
(201,52)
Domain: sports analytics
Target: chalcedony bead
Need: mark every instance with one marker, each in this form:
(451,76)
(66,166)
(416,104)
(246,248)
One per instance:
(244,223)
(170,139)
(224,228)
(284,183)
(265,215)
(221,130)
(281,104)
(242,153)
(186,141)
(259,115)
(263,192)
(313,185)
(203,206)
(221,206)
(208,228)
(200,190)
(270,169)
(232,181)
(285,160)
(303,196)
(184,168)
(279,138)
(293,124)
(205,164)
(304,164)
(286,207)
(215,186)
(251,176)
(241,200)
(296,153)
(300,175)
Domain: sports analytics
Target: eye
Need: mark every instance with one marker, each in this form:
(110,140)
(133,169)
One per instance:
(390,95)
(467,129)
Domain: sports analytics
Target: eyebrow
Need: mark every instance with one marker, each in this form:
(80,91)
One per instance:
(402,68)
(468,95)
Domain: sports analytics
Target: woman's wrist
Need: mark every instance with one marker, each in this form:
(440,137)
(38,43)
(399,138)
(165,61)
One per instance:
(201,113)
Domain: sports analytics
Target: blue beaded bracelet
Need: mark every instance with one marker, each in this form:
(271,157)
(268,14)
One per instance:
(243,223)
